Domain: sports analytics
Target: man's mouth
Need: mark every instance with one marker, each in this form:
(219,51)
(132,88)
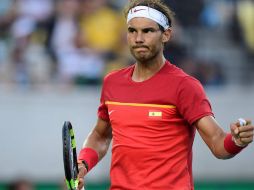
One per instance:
(140,47)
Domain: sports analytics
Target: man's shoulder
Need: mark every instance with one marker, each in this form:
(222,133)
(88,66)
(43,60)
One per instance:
(119,74)
(174,71)
(179,74)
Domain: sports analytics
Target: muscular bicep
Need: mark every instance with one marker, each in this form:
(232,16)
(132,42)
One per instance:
(213,135)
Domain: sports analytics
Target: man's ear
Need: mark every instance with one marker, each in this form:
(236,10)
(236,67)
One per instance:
(166,35)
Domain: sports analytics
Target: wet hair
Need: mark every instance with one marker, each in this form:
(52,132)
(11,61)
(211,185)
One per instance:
(155,4)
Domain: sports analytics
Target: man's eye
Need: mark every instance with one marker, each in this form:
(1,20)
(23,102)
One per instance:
(148,30)
(131,30)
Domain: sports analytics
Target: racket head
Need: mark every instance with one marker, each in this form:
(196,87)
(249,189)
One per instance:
(69,156)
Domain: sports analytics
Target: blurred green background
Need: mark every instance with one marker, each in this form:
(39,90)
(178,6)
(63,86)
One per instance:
(198,186)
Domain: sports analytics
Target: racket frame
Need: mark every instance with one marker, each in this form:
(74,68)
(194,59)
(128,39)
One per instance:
(69,156)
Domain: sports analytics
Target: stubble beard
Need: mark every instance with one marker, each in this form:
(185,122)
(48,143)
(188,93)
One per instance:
(144,57)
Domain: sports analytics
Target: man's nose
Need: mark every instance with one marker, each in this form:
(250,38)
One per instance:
(139,37)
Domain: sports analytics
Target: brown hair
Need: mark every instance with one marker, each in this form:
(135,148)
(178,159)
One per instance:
(155,4)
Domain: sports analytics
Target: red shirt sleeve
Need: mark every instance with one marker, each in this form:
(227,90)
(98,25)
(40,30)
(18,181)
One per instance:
(103,109)
(192,102)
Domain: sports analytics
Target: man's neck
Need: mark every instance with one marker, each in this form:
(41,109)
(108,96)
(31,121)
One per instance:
(145,70)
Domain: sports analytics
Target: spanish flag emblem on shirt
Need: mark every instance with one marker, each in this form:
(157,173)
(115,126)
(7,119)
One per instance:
(155,113)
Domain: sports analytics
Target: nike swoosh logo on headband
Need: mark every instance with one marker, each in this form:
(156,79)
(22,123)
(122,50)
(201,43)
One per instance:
(136,10)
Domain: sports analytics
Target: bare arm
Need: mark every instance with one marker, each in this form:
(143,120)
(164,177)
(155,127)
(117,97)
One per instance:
(214,136)
(99,140)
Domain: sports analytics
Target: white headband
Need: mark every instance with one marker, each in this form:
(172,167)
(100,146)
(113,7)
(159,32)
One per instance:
(148,12)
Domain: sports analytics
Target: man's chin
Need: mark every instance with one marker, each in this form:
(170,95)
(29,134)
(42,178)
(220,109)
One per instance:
(141,58)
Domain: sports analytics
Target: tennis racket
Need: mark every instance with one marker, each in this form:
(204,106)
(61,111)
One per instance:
(70,156)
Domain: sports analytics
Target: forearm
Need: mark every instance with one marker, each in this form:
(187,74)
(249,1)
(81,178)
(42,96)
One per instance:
(214,136)
(98,142)
(94,148)
(217,146)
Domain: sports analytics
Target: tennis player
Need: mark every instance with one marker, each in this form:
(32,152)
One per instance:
(151,110)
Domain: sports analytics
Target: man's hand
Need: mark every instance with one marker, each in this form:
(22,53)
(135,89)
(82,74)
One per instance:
(243,135)
(81,174)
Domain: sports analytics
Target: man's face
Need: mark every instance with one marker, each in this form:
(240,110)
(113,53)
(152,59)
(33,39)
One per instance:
(145,39)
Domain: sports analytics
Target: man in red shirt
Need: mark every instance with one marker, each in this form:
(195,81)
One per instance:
(151,111)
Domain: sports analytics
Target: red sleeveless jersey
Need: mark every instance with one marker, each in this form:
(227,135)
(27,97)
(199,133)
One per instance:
(152,125)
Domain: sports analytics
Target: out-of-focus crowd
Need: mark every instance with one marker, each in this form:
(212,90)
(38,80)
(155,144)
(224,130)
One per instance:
(76,42)
(23,183)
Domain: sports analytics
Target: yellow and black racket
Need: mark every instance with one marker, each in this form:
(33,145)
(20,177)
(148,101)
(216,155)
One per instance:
(70,156)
